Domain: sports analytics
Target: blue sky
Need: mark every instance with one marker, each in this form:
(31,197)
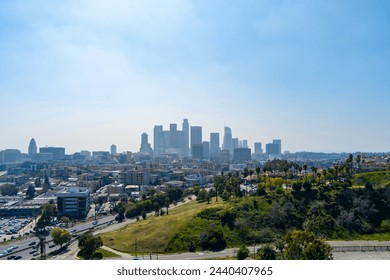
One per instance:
(86,74)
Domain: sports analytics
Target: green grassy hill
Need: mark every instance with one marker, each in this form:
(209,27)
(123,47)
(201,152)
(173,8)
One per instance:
(378,179)
(154,233)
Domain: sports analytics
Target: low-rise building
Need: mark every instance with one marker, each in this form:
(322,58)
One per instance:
(73,202)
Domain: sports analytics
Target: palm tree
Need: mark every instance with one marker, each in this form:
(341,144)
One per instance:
(314,170)
(267,253)
(358,160)
(305,169)
(300,172)
(336,171)
(324,173)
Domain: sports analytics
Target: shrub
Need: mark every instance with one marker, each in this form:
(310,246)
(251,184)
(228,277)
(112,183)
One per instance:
(242,253)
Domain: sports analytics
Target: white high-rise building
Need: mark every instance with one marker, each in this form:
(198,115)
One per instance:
(186,138)
(227,140)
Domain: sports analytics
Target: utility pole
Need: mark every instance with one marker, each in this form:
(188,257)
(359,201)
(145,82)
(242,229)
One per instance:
(135,244)
(42,245)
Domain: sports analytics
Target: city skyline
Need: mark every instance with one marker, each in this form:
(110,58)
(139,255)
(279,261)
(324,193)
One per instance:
(89,74)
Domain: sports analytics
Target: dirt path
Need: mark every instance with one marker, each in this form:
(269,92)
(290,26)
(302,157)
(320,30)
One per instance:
(121,254)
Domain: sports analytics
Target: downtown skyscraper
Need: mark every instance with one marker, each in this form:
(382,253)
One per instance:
(227,140)
(172,141)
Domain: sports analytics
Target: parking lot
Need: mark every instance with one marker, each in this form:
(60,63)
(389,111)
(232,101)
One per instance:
(11,228)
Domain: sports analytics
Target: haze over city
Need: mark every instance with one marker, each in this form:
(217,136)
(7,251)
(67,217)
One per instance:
(88,74)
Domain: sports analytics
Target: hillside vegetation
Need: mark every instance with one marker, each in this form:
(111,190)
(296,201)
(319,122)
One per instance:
(379,179)
(285,206)
(153,234)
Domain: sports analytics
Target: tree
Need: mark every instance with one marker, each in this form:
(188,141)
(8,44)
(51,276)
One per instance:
(30,192)
(303,245)
(49,211)
(88,244)
(242,253)
(307,186)
(212,238)
(208,197)
(233,186)
(300,172)
(65,220)
(219,185)
(358,160)
(267,253)
(121,215)
(305,168)
(60,236)
(202,196)
(46,184)
(314,170)
(167,203)
(37,182)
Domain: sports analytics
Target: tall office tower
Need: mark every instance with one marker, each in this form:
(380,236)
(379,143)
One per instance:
(235,142)
(186,138)
(244,143)
(158,141)
(113,149)
(258,148)
(214,144)
(173,136)
(197,151)
(145,146)
(32,147)
(167,140)
(227,140)
(274,148)
(206,150)
(278,142)
(196,136)
(242,154)
(144,139)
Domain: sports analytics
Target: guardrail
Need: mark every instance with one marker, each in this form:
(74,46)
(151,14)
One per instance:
(360,248)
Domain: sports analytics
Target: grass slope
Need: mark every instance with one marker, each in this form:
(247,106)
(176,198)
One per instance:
(107,254)
(378,179)
(153,234)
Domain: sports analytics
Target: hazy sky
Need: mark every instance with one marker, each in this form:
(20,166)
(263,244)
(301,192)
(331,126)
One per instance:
(85,74)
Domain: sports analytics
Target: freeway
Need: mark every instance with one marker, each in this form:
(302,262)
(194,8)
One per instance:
(27,248)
